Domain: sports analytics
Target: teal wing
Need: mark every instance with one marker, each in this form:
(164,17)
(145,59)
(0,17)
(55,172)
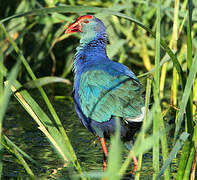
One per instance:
(102,95)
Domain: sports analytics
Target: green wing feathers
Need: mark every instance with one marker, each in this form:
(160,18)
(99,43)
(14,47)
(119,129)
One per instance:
(102,95)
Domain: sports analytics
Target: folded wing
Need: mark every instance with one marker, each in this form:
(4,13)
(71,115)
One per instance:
(102,96)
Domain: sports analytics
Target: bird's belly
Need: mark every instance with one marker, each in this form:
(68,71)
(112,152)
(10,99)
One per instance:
(127,130)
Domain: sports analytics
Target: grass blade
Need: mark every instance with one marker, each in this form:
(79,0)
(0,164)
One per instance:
(11,145)
(115,154)
(186,94)
(17,152)
(4,99)
(46,126)
(187,157)
(183,160)
(157,115)
(43,81)
(173,44)
(41,119)
(189,163)
(184,136)
(147,102)
(47,101)
(189,110)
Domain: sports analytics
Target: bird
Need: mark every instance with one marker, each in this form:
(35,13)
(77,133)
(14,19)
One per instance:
(104,89)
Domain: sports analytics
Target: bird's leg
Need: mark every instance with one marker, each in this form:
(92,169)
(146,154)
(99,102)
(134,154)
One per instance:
(135,162)
(105,153)
(104,162)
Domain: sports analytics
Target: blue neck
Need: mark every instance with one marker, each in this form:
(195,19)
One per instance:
(90,52)
(92,41)
(89,55)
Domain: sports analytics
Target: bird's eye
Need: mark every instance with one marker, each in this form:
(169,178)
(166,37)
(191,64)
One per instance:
(86,21)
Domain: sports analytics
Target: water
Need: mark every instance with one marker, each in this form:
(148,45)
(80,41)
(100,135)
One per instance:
(24,132)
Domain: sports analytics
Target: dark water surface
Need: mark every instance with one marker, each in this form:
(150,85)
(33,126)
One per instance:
(24,132)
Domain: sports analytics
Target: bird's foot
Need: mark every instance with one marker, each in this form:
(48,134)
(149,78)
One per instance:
(104,165)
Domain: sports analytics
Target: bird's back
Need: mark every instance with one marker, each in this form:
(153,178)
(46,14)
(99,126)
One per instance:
(107,91)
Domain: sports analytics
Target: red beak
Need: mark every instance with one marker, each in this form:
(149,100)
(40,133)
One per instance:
(74,27)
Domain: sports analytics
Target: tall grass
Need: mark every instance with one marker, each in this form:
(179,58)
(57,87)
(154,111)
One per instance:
(157,114)
(131,42)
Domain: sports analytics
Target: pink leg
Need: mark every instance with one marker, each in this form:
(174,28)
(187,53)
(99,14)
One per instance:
(105,152)
(135,162)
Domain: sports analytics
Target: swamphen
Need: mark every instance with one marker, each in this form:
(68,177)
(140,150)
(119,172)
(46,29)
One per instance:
(103,89)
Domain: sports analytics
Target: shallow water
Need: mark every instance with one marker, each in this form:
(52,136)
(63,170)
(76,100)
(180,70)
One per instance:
(23,131)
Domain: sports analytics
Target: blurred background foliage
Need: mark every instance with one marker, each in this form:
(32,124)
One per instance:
(50,52)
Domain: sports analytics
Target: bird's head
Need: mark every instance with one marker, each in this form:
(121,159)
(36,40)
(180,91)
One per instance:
(88,25)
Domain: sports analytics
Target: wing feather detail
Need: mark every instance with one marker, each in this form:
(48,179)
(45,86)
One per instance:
(102,96)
